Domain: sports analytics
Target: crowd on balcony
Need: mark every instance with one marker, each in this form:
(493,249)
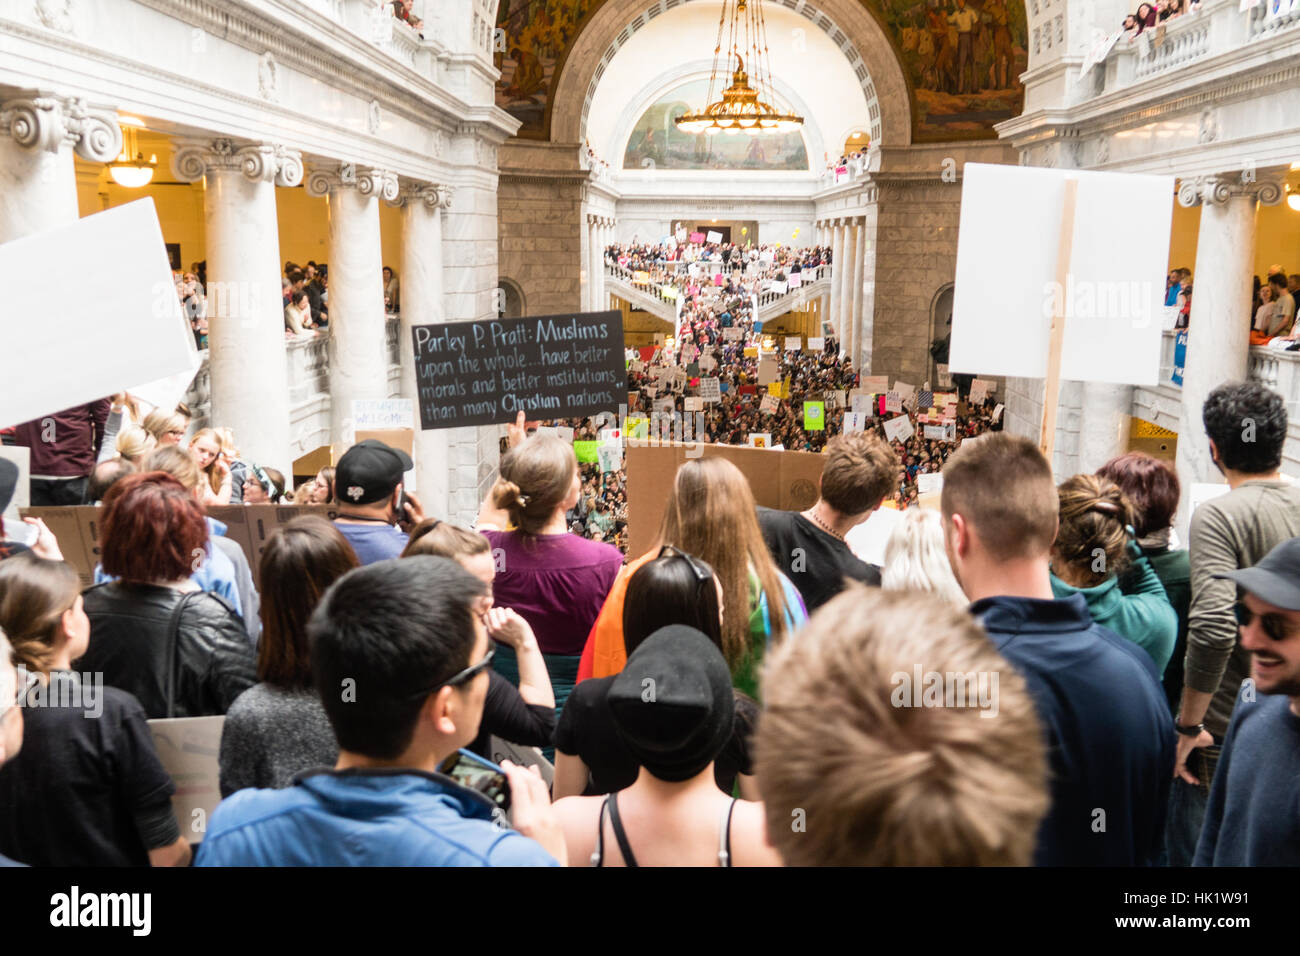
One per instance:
(1273,309)
(1151,15)
(521,630)
(704,270)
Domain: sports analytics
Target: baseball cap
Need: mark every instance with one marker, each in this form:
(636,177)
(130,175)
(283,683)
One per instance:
(672,704)
(369,471)
(1275,579)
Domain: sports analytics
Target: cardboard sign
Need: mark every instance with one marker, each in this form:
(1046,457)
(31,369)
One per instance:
(693,403)
(1006,285)
(786,480)
(553,366)
(189,749)
(834,398)
(904,389)
(714,236)
(384,413)
(609,455)
(760,439)
(769,404)
(929,483)
(875,384)
(710,390)
(861,402)
(893,402)
(816,343)
(853,422)
(110,321)
(945,379)
(769,370)
(708,363)
(564,433)
(899,429)
(733,334)
(793,343)
(978,391)
(947,432)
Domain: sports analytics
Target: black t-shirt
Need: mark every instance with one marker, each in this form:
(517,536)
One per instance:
(586,729)
(815,562)
(70,796)
(510,717)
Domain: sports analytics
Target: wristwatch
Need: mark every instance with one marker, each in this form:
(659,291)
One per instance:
(1188,730)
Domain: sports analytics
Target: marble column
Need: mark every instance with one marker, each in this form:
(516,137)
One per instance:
(422,304)
(246,354)
(1219,326)
(38,136)
(837,270)
(357,349)
(855,321)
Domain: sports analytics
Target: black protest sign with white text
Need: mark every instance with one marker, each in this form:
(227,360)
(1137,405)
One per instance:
(550,366)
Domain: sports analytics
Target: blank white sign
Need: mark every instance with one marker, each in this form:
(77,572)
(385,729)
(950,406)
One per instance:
(1006,273)
(89,309)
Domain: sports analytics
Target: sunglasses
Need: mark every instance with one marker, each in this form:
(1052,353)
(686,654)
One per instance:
(1275,626)
(701,570)
(464,677)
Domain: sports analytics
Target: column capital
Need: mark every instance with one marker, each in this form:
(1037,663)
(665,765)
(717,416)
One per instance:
(49,123)
(1216,190)
(259,162)
(433,195)
(368,181)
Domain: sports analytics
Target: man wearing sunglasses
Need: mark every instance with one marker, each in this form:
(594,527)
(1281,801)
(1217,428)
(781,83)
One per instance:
(1250,819)
(400,659)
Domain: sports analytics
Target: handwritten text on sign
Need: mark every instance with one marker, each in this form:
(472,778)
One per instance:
(553,366)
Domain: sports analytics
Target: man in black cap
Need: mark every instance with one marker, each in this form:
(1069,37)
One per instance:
(1250,819)
(372,501)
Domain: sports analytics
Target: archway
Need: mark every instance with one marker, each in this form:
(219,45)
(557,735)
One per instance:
(510,299)
(940,326)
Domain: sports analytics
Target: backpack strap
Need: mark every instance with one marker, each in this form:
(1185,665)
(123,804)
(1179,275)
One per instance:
(173,634)
(619,834)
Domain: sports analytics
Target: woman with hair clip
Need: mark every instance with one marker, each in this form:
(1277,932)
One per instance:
(1094,547)
(87,788)
(556,581)
(711,514)
(278,728)
(526,715)
(673,588)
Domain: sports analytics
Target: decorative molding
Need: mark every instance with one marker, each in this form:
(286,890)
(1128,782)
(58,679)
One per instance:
(268,78)
(56,15)
(1209,126)
(433,195)
(1217,190)
(49,123)
(1103,149)
(259,162)
(373,117)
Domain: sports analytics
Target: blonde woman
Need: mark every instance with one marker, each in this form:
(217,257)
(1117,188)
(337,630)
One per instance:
(209,453)
(167,428)
(133,444)
(124,413)
(915,559)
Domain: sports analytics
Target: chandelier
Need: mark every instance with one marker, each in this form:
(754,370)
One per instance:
(743,108)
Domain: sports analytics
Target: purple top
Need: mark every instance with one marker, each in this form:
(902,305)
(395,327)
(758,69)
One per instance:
(556,582)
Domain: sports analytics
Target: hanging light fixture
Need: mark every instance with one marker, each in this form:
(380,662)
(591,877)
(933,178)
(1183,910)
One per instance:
(743,108)
(132,173)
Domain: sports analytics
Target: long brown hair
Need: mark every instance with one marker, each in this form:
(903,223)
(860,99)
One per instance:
(300,562)
(712,515)
(209,472)
(34,594)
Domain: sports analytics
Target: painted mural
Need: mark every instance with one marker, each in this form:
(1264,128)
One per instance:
(963,58)
(657,143)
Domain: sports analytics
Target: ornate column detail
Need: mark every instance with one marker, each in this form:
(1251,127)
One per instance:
(48,123)
(367,181)
(415,192)
(258,162)
(1218,190)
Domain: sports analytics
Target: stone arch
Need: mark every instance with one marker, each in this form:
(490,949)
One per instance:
(612,24)
(510,300)
(940,314)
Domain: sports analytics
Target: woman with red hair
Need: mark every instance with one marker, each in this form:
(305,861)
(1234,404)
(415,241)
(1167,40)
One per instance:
(182,652)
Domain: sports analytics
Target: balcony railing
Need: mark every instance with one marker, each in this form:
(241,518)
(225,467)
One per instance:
(1278,370)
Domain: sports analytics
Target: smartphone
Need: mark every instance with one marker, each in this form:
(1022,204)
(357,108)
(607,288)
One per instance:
(470,770)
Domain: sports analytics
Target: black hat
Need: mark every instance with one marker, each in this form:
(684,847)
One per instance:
(673,705)
(8,482)
(369,471)
(1275,579)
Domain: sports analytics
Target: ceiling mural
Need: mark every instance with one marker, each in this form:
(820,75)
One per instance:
(962,58)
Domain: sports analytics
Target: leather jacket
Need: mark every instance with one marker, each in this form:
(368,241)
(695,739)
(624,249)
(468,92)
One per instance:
(213,662)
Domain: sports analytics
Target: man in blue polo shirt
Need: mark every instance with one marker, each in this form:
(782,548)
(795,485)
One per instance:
(1110,736)
(1251,817)
(400,659)
(372,502)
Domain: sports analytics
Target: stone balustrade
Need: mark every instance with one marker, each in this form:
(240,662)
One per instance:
(307,362)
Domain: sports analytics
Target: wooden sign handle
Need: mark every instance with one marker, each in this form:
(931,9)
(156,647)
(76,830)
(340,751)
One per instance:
(1052,385)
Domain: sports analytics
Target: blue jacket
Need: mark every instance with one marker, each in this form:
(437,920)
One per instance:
(364,818)
(1109,734)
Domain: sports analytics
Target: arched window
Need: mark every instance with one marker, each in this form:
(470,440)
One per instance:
(510,299)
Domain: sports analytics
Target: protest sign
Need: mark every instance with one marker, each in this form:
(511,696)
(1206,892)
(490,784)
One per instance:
(760,439)
(875,384)
(693,403)
(893,402)
(814,416)
(189,749)
(768,371)
(899,429)
(853,422)
(709,390)
(484,373)
(769,405)
(714,236)
(816,343)
(793,343)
